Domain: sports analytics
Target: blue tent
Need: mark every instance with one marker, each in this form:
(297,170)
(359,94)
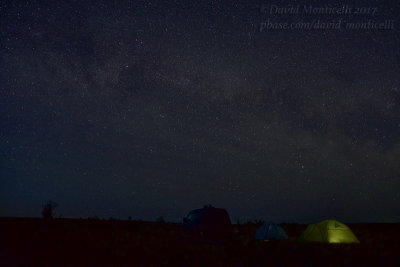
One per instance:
(270,231)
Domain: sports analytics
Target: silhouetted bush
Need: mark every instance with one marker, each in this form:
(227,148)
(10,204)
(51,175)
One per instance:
(160,219)
(48,209)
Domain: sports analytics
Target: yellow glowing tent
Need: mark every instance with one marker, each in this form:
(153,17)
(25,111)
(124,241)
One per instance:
(328,231)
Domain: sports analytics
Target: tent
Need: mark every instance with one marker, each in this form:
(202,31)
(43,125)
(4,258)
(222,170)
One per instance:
(270,231)
(328,231)
(208,221)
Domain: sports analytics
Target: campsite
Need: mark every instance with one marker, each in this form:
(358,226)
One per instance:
(120,119)
(95,242)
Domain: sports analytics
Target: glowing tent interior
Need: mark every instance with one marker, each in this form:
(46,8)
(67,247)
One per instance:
(328,231)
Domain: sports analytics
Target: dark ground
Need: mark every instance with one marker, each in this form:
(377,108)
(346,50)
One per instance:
(72,242)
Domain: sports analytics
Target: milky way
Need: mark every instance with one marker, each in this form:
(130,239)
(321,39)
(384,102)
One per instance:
(148,109)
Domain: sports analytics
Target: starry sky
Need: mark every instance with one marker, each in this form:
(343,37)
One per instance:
(155,108)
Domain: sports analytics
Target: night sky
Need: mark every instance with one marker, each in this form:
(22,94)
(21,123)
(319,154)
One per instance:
(155,108)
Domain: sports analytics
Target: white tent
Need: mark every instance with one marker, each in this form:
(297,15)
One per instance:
(270,231)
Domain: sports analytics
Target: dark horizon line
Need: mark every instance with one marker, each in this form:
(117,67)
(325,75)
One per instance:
(154,221)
